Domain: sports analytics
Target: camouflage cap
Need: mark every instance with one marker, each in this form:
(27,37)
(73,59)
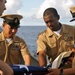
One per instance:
(72,10)
(12,19)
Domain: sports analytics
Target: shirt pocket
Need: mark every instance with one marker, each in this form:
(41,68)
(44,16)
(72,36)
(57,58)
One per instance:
(52,42)
(14,52)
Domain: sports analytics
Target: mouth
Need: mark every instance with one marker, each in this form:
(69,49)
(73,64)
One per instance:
(51,27)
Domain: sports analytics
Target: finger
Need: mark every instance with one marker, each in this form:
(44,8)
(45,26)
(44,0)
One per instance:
(50,70)
(1,73)
(49,74)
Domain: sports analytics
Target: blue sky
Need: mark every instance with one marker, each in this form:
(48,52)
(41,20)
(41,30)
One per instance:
(32,10)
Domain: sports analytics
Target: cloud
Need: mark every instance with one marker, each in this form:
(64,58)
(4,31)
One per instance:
(62,7)
(34,16)
(32,21)
(13,6)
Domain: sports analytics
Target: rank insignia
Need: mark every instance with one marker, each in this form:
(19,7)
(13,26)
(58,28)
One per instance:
(16,46)
(68,38)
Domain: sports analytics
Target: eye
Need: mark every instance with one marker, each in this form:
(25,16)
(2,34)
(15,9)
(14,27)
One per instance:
(46,22)
(51,21)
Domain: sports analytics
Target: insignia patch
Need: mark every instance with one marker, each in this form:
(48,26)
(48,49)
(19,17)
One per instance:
(68,38)
(16,20)
(16,46)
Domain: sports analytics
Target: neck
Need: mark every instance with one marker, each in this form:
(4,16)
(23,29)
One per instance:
(58,27)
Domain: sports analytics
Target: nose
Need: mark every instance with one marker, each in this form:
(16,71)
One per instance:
(49,24)
(13,30)
(5,7)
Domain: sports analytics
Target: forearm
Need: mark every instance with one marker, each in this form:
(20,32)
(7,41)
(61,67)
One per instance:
(27,59)
(70,71)
(1,72)
(6,69)
(42,59)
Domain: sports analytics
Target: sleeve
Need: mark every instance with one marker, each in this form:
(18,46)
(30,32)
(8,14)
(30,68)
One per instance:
(41,45)
(24,48)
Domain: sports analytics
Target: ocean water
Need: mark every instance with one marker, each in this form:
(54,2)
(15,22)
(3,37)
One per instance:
(29,34)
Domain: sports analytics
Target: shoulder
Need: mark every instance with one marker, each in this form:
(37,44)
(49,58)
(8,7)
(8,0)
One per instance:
(17,38)
(67,26)
(20,40)
(43,33)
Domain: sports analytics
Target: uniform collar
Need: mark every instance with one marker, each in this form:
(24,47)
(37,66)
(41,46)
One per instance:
(49,32)
(2,36)
(63,29)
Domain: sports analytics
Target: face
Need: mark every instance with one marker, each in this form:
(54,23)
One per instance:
(51,21)
(2,6)
(8,31)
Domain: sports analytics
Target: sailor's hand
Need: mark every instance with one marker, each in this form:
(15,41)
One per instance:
(73,50)
(53,71)
(1,72)
(70,59)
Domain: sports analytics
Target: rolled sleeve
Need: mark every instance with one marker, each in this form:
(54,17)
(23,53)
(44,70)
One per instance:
(24,48)
(41,46)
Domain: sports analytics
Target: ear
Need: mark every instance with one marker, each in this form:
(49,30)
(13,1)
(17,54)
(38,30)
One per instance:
(58,17)
(3,24)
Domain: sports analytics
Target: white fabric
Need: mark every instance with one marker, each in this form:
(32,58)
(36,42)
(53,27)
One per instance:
(8,40)
(57,32)
(58,60)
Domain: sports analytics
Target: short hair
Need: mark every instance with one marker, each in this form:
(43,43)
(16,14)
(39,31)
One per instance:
(49,10)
